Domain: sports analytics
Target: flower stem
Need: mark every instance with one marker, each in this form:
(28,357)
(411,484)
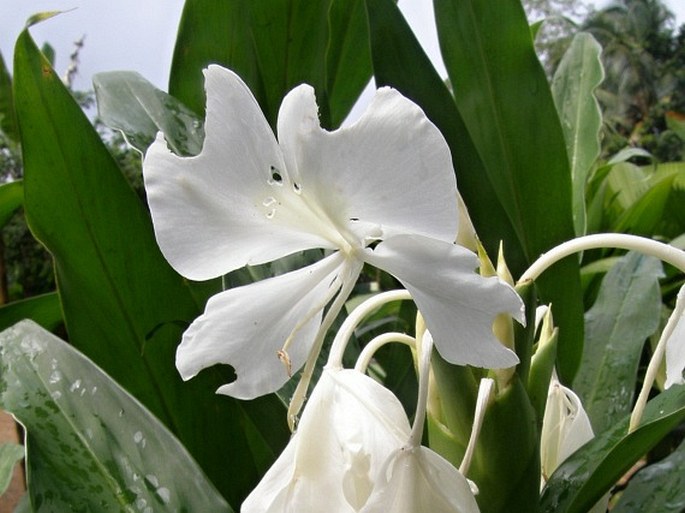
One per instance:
(655,361)
(665,252)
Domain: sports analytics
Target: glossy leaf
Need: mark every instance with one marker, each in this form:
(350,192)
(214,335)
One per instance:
(11,198)
(90,445)
(10,455)
(626,312)
(124,307)
(502,94)
(44,309)
(658,488)
(274,46)
(578,75)
(592,470)
(128,102)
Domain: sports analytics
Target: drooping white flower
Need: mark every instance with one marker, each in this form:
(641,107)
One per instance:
(381,191)
(350,426)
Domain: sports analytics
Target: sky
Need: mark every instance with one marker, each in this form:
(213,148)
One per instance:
(139,35)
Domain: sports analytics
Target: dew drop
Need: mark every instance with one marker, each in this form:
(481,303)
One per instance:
(164,494)
(276,177)
(55,377)
(269,201)
(56,394)
(297,188)
(75,385)
(271,213)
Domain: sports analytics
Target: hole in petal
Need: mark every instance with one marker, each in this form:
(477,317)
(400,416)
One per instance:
(276,177)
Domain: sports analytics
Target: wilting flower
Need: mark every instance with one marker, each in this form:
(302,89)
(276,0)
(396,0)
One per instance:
(381,191)
(350,426)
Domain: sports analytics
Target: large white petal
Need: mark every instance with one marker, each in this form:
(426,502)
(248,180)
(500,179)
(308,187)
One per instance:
(458,305)
(390,171)
(221,209)
(246,326)
(349,427)
(419,480)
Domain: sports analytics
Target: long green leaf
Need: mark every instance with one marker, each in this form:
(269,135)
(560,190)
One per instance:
(502,94)
(90,445)
(128,102)
(44,309)
(591,471)
(658,488)
(626,312)
(578,75)
(124,307)
(394,49)
(275,46)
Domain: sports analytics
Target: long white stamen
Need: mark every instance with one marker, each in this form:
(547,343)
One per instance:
(355,318)
(484,393)
(655,361)
(665,252)
(376,343)
(425,352)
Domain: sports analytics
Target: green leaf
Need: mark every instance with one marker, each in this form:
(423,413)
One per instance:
(502,94)
(578,75)
(658,488)
(11,198)
(128,102)
(8,122)
(506,463)
(626,312)
(275,46)
(591,471)
(90,445)
(44,309)
(124,307)
(394,49)
(10,455)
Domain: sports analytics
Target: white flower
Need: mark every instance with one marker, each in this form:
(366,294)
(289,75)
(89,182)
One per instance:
(417,479)
(381,191)
(350,426)
(565,429)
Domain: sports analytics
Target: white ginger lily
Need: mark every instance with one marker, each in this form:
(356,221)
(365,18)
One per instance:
(349,427)
(381,191)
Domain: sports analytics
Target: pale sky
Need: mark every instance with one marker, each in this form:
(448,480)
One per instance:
(139,34)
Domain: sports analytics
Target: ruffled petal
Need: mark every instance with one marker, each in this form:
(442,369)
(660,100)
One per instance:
(221,209)
(418,479)
(246,326)
(391,172)
(459,306)
(349,427)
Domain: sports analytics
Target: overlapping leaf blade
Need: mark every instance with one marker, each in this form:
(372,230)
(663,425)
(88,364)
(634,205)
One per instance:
(274,46)
(124,306)
(503,97)
(91,446)
(626,312)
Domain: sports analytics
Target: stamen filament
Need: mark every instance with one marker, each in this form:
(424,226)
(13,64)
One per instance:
(484,393)
(425,352)
(355,318)
(301,390)
(655,361)
(665,252)
(376,343)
